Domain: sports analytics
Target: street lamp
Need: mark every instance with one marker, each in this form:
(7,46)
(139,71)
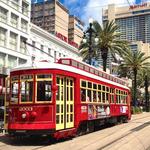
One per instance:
(90,32)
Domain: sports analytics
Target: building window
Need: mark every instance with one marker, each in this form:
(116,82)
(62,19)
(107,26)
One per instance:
(49,51)
(22,61)
(12,61)
(13,41)
(24,25)
(2,37)
(15,4)
(25,7)
(42,48)
(5,1)
(3,15)
(14,20)
(59,54)
(2,59)
(55,54)
(23,45)
(33,45)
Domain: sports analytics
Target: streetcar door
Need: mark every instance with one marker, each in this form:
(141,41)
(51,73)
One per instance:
(64,103)
(69,102)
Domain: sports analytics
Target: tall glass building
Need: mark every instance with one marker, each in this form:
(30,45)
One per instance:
(133,21)
(134,24)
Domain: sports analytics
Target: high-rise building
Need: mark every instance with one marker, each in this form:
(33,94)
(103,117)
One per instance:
(53,17)
(75,31)
(133,21)
(134,24)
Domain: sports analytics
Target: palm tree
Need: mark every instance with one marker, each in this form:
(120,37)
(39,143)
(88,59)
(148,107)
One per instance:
(133,62)
(108,42)
(84,50)
(145,78)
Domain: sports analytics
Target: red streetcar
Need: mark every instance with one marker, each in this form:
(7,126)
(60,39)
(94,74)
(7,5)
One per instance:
(64,98)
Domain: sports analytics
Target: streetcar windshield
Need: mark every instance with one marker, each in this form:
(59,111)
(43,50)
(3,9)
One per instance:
(26,91)
(14,95)
(44,91)
(44,87)
(26,88)
(14,89)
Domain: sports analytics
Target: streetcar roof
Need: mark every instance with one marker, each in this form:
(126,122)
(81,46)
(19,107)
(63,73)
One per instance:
(47,65)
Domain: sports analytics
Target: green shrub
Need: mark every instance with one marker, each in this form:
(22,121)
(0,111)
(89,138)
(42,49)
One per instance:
(136,110)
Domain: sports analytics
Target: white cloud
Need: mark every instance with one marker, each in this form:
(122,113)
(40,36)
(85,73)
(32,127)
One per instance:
(93,9)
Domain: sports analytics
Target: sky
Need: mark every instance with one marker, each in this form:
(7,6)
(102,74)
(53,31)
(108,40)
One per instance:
(85,9)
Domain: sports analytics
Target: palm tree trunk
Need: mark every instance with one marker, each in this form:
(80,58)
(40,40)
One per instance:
(146,94)
(135,87)
(104,54)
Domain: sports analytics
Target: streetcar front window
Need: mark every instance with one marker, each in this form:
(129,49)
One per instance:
(26,88)
(44,88)
(14,90)
(26,91)
(44,92)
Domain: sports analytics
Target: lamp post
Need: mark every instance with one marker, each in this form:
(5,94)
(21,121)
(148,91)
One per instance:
(90,32)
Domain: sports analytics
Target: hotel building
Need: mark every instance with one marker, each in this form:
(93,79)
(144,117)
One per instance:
(133,21)
(134,24)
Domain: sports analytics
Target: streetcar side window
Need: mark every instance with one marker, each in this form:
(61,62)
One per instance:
(112,95)
(121,97)
(83,95)
(14,90)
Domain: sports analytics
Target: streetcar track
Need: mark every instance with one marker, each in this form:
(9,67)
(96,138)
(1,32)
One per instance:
(139,118)
(38,147)
(114,133)
(140,127)
(114,141)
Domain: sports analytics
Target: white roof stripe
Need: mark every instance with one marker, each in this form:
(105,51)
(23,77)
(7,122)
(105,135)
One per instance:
(47,65)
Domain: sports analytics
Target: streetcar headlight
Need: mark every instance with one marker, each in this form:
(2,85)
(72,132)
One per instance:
(24,116)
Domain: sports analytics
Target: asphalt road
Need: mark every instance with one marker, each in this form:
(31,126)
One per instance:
(134,135)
